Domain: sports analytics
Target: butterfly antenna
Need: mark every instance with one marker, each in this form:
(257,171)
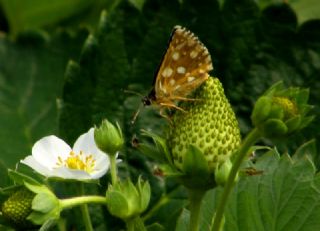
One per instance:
(133,92)
(135,116)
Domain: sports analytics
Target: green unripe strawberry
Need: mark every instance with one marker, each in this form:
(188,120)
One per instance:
(18,207)
(208,123)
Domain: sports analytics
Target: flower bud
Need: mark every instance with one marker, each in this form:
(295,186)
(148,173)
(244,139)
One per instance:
(280,112)
(17,208)
(125,200)
(108,138)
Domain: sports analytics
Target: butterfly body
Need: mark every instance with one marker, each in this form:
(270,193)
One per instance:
(184,67)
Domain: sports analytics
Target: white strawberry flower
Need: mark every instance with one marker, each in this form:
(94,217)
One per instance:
(52,157)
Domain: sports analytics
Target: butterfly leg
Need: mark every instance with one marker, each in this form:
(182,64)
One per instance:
(164,115)
(184,99)
(170,105)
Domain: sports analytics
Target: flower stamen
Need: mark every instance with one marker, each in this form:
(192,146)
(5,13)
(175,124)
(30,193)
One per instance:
(77,162)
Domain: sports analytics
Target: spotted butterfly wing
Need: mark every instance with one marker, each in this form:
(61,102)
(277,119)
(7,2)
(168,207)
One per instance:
(184,67)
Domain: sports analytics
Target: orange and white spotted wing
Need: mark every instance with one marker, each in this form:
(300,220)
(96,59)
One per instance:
(185,67)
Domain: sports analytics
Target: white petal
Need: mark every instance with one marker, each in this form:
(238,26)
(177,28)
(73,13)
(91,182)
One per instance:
(67,173)
(86,143)
(32,162)
(101,166)
(46,150)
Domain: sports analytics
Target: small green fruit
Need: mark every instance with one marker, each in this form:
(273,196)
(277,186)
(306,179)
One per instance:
(208,123)
(17,208)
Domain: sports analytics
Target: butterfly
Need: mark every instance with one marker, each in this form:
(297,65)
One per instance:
(184,67)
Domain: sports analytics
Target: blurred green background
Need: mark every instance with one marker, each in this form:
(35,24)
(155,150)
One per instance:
(65,65)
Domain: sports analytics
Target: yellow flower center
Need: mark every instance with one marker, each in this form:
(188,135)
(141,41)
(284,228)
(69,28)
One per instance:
(78,162)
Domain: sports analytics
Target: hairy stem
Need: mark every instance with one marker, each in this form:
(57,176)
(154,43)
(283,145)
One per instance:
(241,154)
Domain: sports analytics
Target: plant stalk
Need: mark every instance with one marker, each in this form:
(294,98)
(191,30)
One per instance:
(113,169)
(71,202)
(241,154)
(85,211)
(195,198)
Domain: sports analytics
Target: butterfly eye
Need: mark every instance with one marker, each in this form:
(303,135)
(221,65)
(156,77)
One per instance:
(146,101)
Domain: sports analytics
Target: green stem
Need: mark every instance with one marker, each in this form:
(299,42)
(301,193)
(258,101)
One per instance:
(85,211)
(130,225)
(135,223)
(113,169)
(241,154)
(195,198)
(162,201)
(71,202)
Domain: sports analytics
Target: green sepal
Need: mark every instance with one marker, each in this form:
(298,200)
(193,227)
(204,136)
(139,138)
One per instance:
(138,4)
(145,192)
(155,227)
(126,200)
(90,46)
(48,224)
(108,137)
(20,178)
(305,108)
(162,152)
(45,204)
(170,171)
(306,121)
(274,128)
(222,172)
(151,152)
(278,86)
(136,224)
(39,218)
(293,123)
(117,204)
(7,191)
(261,110)
(276,112)
(302,96)
(195,168)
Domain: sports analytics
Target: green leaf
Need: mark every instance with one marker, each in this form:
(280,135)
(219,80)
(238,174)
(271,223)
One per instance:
(31,75)
(94,86)
(183,221)
(30,14)
(308,149)
(160,152)
(306,9)
(137,4)
(155,227)
(284,197)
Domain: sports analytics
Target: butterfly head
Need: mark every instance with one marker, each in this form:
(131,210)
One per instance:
(149,99)
(146,101)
